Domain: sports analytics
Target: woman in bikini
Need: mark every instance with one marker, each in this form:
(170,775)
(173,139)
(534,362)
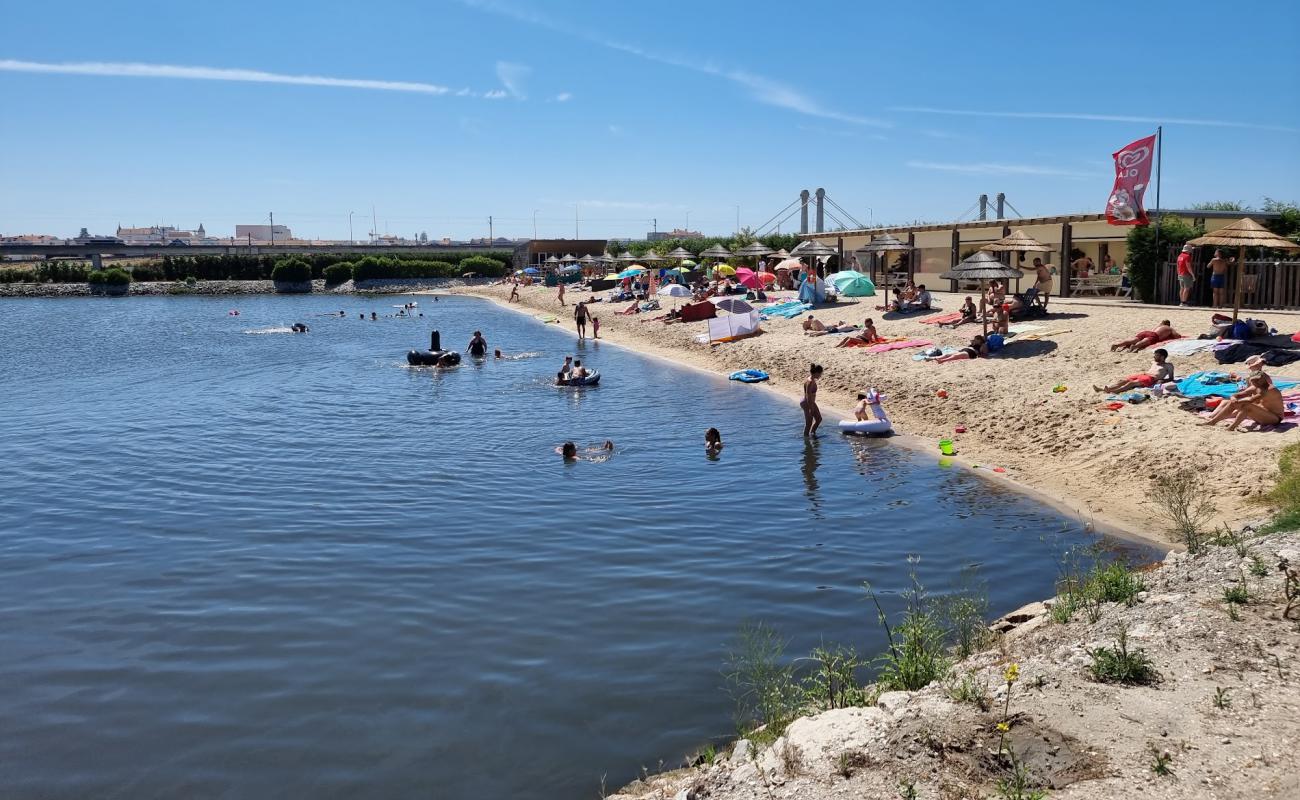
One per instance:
(977,348)
(812,415)
(1260,401)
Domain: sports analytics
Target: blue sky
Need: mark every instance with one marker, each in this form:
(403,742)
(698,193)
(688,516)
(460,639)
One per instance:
(440,114)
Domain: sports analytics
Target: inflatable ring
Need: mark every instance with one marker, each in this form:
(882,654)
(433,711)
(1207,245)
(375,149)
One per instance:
(749,376)
(433,358)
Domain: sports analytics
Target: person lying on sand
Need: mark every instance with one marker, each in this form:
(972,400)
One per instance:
(1144,339)
(977,348)
(1260,400)
(813,325)
(1160,371)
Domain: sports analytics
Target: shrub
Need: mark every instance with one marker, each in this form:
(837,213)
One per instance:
(1144,257)
(291,270)
(147,272)
(338,273)
(915,657)
(1181,500)
(833,682)
(483,266)
(761,681)
(1285,494)
(16,275)
(108,277)
(62,272)
(1120,665)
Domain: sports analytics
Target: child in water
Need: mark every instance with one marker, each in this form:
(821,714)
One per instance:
(712,441)
(595,327)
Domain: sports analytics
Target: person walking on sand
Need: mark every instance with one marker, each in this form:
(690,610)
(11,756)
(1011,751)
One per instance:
(580,317)
(1043,279)
(1219,277)
(514,293)
(1186,278)
(812,415)
(560,293)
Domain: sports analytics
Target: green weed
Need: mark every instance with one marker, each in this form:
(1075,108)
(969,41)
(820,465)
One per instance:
(916,656)
(1221,698)
(1118,664)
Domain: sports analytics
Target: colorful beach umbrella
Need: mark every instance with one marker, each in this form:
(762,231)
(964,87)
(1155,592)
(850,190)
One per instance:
(634,272)
(674,290)
(747,277)
(852,284)
(725,269)
(530,271)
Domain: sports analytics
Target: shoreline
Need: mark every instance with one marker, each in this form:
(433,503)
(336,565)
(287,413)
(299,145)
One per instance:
(1097,523)
(235,288)
(1060,448)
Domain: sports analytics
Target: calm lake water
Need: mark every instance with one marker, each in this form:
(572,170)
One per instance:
(237,562)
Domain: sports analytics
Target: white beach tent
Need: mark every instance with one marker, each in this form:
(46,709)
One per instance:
(732,326)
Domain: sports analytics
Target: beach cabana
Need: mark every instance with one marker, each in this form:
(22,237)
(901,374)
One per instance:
(1243,234)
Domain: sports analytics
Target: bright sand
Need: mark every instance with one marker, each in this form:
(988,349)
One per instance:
(1094,462)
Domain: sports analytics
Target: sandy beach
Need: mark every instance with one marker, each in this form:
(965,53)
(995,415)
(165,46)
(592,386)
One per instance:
(1062,445)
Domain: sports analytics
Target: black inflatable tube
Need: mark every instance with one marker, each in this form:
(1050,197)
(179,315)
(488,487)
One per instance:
(432,358)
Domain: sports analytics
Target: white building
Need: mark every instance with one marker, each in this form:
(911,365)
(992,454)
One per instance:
(160,234)
(263,233)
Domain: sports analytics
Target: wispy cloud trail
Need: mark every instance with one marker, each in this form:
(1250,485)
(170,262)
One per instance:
(1213,123)
(173,71)
(763,89)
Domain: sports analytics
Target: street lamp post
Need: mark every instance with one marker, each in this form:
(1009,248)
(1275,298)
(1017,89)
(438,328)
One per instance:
(534,224)
(351,238)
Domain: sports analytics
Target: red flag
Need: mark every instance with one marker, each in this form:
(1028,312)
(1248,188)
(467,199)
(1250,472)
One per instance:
(1132,174)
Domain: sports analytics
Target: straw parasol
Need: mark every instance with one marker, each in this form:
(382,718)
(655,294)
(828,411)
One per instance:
(755,249)
(885,244)
(626,255)
(588,259)
(1017,242)
(1242,234)
(716,251)
(812,247)
(680,254)
(982,266)
(651,256)
(568,258)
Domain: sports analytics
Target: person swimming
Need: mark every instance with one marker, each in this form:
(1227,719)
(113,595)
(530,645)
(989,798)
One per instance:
(570,451)
(712,441)
(497,353)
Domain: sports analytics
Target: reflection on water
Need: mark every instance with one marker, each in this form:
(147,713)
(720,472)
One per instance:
(293,566)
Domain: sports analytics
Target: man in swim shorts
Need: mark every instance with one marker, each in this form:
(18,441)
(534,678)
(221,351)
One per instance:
(1144,339)
(1160,371)
(1219,277)
(1043,279)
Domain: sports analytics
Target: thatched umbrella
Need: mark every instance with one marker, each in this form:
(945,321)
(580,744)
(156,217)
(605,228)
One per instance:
(680,254)
(716,251)
(626,255)
(755,249)
(982,266)
(1017,242)
(885,244)
(651,256)
(1242,234)
(588,259)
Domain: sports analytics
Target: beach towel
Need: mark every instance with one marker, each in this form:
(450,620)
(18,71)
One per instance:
(1202,384)
(790,312)
(946,351)
(885,348)
(942,318)
(1024,327)
(1289,419)
(1187,347)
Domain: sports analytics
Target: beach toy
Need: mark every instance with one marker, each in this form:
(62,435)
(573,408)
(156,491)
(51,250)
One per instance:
(748,376)
(1060,387)
(959,429)
(945,447)
(1113,406)
(942,394)
(999,469)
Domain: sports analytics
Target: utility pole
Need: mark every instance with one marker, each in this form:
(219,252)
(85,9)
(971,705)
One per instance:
(351,239)
(491,238)
(575,220)
(534,224)
(655,220)
(272,228)
(737,220)
(374,223)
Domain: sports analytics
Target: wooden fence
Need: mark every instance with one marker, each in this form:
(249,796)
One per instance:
(1266,284)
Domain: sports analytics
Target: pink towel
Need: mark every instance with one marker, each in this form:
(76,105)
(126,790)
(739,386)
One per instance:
(885,348)
(942,318)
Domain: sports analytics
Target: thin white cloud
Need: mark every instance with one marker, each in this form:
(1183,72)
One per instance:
(938,134)
(496,94)
(177,72)
(512,77)
(563,97)
(616,129)
(1213,123)
(990,168)
(764,90)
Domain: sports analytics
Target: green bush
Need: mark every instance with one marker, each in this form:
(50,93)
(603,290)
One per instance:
(916,656)
(108,277)
(388,268)
(16,275)
(291,270)
(147,272)
(338,273)
(483,266)
(1118,664)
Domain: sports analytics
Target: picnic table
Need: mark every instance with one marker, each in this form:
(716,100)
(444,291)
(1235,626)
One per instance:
(1096,284)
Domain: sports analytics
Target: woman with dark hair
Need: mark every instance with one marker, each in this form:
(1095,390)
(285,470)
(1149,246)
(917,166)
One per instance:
(812,415)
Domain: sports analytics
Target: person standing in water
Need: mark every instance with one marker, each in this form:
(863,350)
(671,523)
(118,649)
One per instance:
(812,415)
(580,317)
(478,346)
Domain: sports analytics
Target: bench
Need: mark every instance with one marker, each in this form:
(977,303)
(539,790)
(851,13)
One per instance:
(1096,284)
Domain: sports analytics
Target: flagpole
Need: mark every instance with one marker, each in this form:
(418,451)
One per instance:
(1159,156)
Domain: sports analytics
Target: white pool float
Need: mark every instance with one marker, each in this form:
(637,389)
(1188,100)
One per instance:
(878,426)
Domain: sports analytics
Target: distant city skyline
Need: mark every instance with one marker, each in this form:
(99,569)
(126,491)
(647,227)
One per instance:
(577,119)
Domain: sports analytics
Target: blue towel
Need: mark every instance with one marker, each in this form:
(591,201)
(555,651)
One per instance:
(1195,385)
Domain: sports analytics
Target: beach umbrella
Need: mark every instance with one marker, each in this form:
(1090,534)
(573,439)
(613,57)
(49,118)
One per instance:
(755,250)
(651,256)
(734,305)
(716,251)
(781,254)
(812,247)
(568,258)
(725,269)
(982,266)
(791,264)
(588,259)
(885,244)
(551,260)
(626,255)
(1017,242)
(681,254)
(530,271)
(1242,234)
(852,284)
(674,290)
(747,277)
(613,276)
(634,272)
(570,268)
